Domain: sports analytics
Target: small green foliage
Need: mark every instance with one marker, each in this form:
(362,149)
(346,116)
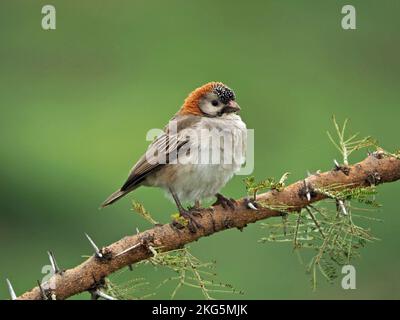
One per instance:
(280,207)
(281,183)
(254,187)
(347,145)
(133,289)
(364,195)
(191,272)
(141,210)
(328,235)
(328,238)
(179,219)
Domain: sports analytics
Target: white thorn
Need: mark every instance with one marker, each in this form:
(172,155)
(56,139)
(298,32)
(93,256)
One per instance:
(343,207)
(53,262)
(337,165)
(11,290)
(129,249)
(137,231)
(103,295)
(307,190)
(42,292)
(309,174)
(251,206)
(153,251)
(96,249)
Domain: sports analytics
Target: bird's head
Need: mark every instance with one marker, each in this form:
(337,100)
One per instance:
(213,99)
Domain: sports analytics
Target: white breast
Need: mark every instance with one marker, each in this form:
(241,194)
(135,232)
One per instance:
(209,165)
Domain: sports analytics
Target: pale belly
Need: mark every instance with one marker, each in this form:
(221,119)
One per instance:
(194,180)
(197,182)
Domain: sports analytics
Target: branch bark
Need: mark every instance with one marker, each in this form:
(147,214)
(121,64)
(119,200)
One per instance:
(375,169)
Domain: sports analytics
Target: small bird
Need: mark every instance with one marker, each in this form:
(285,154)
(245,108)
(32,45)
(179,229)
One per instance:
(184,162)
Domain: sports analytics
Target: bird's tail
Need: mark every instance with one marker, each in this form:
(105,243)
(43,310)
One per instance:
(114,197)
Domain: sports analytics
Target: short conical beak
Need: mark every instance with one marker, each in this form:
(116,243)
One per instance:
(232,107)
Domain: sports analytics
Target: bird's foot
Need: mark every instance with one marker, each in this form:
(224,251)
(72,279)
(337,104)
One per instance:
(186,218)
(226,203)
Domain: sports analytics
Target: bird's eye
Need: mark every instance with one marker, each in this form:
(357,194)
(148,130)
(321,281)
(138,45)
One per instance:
(215,103)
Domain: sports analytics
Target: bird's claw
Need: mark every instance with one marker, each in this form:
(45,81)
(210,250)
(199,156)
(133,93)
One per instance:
(190,221)
(226,203)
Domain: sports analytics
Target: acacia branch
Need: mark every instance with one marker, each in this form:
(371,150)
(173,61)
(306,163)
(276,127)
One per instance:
(375,169)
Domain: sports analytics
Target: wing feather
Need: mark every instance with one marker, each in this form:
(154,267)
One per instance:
(162,151)
(164,148)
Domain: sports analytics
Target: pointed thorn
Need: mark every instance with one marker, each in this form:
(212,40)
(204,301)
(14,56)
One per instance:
(42,293)
(11,290)
(153,251)
(307,190)
(137,231)
(103,295)
(127,250)
(309,174)
(53,262)
(251,206)
(96,249)
(337,165)
(343,207)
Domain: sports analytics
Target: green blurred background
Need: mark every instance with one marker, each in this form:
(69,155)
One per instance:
(77,102)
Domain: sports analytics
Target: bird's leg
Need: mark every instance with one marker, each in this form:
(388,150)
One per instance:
(193,225)
(177,202)
(225,202)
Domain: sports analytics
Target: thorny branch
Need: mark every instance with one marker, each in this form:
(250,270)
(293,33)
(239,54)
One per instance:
(377,168)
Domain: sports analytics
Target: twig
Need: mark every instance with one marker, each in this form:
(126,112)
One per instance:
(315,222)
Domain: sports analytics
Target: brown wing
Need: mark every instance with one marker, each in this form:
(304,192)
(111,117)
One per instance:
(163,150)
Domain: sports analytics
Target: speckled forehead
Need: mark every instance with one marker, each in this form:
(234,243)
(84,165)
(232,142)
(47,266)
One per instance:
(224,93)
